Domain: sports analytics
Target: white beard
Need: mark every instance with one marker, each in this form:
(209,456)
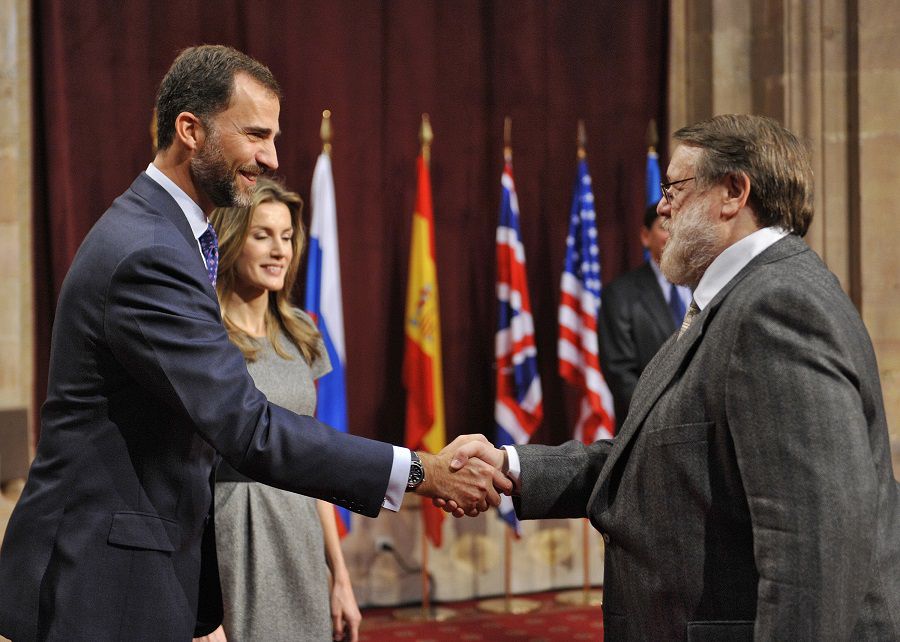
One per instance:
(693,244)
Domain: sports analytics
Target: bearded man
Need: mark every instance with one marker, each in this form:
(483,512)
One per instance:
(750,493)
(113,536)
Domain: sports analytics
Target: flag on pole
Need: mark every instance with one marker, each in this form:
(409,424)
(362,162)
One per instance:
(324,304)
(422,373)
(518,409)
(652,189)
(654,192)
(579,363)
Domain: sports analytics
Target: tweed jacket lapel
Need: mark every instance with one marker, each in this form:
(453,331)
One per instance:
(672,358)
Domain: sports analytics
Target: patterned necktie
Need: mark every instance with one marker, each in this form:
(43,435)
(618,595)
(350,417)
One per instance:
(691,313)
(209,245)
(676,305)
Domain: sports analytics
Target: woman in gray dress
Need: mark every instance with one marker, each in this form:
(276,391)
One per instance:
(275,548)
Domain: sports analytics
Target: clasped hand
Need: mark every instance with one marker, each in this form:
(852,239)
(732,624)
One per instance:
(465,477)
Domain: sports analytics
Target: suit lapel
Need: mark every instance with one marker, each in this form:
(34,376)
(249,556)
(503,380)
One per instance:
(667,363)
(162,203)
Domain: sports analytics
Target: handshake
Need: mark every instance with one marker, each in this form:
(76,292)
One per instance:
(466,477)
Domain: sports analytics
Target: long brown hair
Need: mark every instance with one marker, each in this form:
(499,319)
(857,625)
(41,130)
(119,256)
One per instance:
(232,225)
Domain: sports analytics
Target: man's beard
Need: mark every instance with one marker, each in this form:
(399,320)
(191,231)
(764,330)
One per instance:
(692,246)
(215,178)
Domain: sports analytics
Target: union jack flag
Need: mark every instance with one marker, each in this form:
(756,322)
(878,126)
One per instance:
(579,305)
(518,409)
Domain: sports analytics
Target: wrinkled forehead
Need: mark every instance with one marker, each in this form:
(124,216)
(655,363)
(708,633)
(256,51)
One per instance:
(684,162)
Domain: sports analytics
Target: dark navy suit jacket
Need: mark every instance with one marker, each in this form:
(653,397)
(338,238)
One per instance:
(634,322)
(113,537)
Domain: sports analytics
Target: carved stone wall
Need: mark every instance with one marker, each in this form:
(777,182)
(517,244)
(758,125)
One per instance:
(877,149)
(829,70)
(16,358)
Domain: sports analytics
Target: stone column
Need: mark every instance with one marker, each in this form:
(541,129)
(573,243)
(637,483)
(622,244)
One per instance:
(16,283)
(877,163)
(829,70)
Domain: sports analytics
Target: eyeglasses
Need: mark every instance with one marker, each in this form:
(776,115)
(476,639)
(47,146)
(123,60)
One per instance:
(665,188)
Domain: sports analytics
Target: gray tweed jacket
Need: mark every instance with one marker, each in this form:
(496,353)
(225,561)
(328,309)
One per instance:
(750,492)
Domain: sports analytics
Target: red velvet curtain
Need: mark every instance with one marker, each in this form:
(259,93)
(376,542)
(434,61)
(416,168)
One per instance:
(378,66)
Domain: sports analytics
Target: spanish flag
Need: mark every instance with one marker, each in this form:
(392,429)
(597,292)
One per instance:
(422,375)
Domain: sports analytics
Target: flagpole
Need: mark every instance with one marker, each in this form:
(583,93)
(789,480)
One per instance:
(325,132)
(426,136)
(427,612)
(426,589)
(508,603)
(585,596)
(652,136)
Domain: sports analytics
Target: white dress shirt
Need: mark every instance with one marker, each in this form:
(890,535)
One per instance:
(732,260)
(197,220)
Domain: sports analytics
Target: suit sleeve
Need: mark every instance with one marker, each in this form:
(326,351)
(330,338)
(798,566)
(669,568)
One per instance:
(209,598)
(163,326)
(556,482)
(618,351)
(799,427)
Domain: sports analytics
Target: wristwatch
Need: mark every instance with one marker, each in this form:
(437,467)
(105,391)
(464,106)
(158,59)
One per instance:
(416,472)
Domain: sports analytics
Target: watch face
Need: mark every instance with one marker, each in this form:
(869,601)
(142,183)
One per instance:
(416,475)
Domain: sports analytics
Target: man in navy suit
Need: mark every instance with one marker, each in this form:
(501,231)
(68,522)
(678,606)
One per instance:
(638,312)
(113,535)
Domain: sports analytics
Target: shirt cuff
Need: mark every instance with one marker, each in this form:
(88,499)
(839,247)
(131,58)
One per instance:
(396,489)
(515,468)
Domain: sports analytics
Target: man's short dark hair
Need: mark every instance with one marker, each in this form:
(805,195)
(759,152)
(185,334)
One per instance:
(650,215)
(777,163)
(201,81)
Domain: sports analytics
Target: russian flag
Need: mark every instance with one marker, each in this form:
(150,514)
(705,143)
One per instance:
(324,304)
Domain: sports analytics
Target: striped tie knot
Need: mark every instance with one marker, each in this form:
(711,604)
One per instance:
(691,313)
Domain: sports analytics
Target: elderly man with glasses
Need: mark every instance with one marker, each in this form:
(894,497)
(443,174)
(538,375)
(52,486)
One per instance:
(750,493)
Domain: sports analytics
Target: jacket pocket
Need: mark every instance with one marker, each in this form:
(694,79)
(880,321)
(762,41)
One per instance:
(720,631)
(144,531)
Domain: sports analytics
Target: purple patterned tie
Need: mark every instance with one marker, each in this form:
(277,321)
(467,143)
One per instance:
(209,245)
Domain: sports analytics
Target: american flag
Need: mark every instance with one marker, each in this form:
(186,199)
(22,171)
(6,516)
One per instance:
(579,363)
(519,407)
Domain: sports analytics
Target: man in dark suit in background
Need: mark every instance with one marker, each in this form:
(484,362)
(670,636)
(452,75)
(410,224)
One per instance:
(113,535)
(750,493)
(638,311)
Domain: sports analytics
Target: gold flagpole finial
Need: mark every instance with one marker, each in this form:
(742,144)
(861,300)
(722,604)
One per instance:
(582,139)
(325,132)
(426,136)
(652,135)
(507,139)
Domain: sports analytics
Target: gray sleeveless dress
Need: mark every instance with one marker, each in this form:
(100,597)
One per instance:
(269,542)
